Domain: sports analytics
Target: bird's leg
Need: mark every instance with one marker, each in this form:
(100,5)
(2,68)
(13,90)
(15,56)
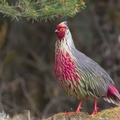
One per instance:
(78,108)
(95,108)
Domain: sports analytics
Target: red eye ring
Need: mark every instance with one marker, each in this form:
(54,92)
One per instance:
(63,29)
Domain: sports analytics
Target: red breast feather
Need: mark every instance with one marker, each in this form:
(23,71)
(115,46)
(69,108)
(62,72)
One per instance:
(65,71)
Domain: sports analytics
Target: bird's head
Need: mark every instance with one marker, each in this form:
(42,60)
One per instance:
(61,30)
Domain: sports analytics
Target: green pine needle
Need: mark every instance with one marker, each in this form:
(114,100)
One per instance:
(38,10)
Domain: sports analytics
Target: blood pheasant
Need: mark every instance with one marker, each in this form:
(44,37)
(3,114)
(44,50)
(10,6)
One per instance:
(80,76)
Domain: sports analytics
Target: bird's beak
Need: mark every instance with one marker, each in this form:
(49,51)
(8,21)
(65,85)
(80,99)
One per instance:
(56,31)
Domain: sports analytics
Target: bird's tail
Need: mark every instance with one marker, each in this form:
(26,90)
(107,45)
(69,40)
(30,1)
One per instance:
(113,95)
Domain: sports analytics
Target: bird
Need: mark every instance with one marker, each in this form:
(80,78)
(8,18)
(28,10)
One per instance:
(80,76)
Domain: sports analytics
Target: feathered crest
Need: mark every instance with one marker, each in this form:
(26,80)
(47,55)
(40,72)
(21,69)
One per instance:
(65,22)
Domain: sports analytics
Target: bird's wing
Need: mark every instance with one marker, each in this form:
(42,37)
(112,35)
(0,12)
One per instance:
(92,76)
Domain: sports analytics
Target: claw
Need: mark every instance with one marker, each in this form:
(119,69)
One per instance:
(95,108)
(78,109)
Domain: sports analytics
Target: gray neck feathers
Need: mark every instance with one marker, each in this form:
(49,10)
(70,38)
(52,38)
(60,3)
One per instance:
(68,40)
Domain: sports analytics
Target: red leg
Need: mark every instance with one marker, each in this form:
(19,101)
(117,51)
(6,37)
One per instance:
(95,108)
(78,108)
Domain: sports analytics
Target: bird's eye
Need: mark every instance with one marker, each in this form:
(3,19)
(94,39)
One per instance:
(62,29)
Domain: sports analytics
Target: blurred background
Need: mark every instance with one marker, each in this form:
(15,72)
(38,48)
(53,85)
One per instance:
(27,80)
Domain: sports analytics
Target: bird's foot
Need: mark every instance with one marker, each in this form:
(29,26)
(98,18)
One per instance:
(77,111)
(95,111)
(69,113)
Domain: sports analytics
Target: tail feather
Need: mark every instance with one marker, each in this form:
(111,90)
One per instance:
(110,100)
(113,95)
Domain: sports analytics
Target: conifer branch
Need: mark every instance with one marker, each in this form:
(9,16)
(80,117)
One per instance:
(38,10)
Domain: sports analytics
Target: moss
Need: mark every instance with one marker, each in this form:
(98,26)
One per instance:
(72,116)
(108,114)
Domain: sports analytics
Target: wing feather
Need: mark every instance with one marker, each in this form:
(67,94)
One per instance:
(94,78)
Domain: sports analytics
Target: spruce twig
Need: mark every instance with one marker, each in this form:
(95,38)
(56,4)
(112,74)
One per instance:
(38,10)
